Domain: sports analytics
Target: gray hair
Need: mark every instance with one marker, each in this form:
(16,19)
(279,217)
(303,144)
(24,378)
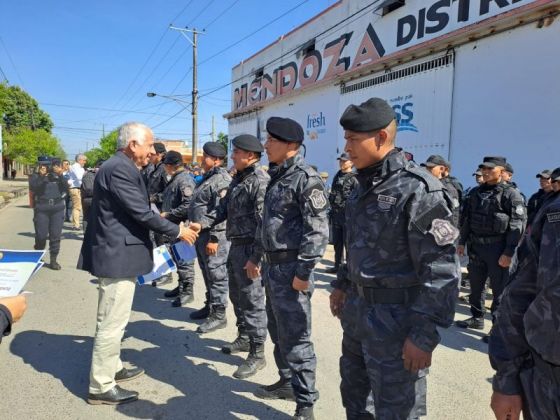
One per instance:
(132,131)
(80,156)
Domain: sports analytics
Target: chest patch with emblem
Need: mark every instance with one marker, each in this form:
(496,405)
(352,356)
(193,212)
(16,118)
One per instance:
(385,202)
(553,217)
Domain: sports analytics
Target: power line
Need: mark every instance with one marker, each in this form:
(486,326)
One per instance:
(171,117)
(4,75)
(317,37)
(201,12)
(11,61)
(102,109)
(221,14)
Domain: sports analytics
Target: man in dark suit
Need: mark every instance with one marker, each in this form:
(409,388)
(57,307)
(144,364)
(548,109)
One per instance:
(117,249)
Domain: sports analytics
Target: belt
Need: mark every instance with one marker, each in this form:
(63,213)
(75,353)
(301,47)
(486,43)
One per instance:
(374,295)
(242,241)
(549,369)
(280,257)
(486,240)
(50,201)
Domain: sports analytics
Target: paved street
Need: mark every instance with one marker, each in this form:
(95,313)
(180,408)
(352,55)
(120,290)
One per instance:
(44,364)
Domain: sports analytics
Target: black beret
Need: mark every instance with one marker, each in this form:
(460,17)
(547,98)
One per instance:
(214,149)
(508,167)
(159,147)
(492,162)
(344,156)
(172,158)
(435,160)
(478,172)
(545,174)
(374,114)
(555,175)
(248,143)
(285,129)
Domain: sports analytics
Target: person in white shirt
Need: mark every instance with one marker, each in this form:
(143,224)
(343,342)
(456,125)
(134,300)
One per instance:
(76,173)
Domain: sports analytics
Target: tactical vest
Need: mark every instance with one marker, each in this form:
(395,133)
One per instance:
(486,213)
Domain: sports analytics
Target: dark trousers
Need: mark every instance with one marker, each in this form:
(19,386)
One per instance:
(68,208)
(48,220)
(338,234)
(246,295)
(289,325)
(214,269)
(374,379)
(483,264)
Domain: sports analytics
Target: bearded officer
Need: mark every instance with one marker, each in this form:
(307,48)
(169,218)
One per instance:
(292,238)
(401,277)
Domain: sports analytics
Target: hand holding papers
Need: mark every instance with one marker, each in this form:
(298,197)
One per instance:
(16,268)
(163,264)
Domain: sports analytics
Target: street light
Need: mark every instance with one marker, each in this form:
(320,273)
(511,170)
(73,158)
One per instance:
(185,105)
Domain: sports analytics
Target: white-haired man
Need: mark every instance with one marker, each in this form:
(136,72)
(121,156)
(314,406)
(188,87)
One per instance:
(116,249)
(75,175)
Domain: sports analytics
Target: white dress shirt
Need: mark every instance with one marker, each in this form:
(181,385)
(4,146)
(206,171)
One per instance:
(75,174)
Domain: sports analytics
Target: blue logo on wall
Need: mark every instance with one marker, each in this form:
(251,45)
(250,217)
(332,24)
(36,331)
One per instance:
(404,111)
(316,125)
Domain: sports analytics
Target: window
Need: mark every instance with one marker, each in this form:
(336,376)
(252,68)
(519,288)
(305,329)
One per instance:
(391,5)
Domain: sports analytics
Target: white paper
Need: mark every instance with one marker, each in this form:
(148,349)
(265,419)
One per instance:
(16,268)
(163,264)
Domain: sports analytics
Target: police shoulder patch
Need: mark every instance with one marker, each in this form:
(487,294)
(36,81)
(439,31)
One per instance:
(187,191)
(223,193)
(318,199)
(443,232)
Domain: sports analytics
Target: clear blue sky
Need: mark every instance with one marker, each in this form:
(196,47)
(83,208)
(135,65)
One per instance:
(91,54)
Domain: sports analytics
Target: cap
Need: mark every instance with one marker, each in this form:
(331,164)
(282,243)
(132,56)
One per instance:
(371,115)
(214,149)
(435,160)
(248,143)
(544,174)
(56,162)
(324,174)
(173,158)
(508,167)
(478,172)
(555,175)
(492,162)
(44,160)
(160,148)
(285,129)
(344,156)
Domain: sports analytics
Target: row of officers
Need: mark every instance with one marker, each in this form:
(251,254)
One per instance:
(262,233)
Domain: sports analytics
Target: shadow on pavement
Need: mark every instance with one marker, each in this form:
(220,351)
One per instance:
(463,338)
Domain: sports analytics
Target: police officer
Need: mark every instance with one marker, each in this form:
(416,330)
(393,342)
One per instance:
(523,346)
(292,238)
(49,192)
(400,280)
(447,179)
(155,176)
(437,166)
(508,177)
(492,226)
(242,206)
(176,199)
(212,247)
(537,199)
(343,183)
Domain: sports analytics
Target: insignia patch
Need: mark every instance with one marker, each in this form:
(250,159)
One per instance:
(318,200)
(519,210)
(187,191)
(223,193)
(553,217)
(456,203)
(385,202)
(444,232)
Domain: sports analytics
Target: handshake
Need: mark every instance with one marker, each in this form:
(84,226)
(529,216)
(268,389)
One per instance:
(189,233)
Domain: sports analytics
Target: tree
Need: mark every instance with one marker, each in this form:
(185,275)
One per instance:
(107,148)
(223,140)
(25,145)
(20,111)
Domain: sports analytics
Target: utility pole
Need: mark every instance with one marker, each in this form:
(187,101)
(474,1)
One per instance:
(194,43)
(213,130)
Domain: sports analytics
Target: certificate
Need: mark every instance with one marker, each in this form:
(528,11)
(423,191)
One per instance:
(16,268)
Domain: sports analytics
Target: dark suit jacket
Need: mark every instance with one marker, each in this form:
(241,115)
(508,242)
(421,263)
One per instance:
(117,240)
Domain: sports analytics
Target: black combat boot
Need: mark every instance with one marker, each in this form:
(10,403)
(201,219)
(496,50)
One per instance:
(332,270)
(240,344)
(281,390)
(202,313)
(254,362)
(173,293)
(304,413)
(215,321)
(472,322)
(53,264)
(185,294)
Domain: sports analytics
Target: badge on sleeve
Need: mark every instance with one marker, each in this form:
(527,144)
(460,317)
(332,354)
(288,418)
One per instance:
(318,200)
(187,191)
(520,210)
(444,232)
(223,193)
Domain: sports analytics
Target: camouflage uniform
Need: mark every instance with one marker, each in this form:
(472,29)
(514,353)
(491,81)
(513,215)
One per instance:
(157,181)
(176,200)
(493,222)
(456,195)
(204,204)
(342,187)
(525,340)
(242,206)
(401,281)
(292,238)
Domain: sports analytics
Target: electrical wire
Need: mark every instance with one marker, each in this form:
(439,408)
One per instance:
(11,61)
(221,14)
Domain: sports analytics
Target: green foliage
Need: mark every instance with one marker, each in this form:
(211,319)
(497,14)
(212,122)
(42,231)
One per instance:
(107,148)
(26,145)
(223,140)
(20,111)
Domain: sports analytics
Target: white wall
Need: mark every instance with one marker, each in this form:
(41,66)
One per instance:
(506,102)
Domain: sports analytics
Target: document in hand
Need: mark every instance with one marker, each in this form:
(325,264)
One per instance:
(163,264)
(16,268)
(183,252)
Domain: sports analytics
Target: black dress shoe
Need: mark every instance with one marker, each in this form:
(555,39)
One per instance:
(125,374)
(114,396)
